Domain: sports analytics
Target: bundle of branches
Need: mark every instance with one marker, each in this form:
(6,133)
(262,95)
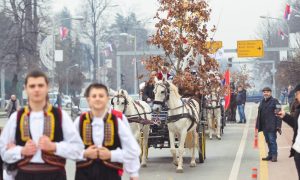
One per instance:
(242,78)
(181,31)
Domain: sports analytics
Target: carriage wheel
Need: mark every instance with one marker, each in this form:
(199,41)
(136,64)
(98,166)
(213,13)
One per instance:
(202,144)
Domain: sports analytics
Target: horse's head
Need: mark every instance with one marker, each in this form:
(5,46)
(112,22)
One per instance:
(161,95)
(213,99)
(120,100)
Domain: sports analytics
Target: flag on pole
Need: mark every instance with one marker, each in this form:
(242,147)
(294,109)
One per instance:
(227,83)
(282,34)
(287,12)
(63,31)
(133,61)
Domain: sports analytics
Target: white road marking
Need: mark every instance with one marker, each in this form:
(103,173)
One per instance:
(238,158)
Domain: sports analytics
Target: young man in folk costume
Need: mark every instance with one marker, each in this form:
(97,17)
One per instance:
(38,138)
(109,143)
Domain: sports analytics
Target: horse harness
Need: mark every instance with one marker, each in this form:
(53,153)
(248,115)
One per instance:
(134,118)
(174,118)
(213,108)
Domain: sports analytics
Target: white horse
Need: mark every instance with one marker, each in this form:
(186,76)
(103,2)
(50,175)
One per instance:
(183,117)
(138,114)
(213,109)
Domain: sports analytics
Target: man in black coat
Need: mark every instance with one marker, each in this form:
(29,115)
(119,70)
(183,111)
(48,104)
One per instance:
(293,121)
(241,101)
(269,123)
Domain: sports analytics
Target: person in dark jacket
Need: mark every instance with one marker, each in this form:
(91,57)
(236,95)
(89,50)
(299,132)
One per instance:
(232,107)
(269,123)
(241,101)
(293,120)
(148,94)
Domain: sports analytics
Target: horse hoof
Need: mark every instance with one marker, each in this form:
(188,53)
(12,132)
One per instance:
(193,164)
(175,163)
(144,165)
(179,170)
(219,137)
(210,138)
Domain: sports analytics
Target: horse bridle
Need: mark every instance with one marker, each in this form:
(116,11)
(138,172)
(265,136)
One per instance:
(118,101)
(166,92)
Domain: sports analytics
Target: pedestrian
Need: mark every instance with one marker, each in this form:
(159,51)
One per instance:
(58,100)
(232,106)
(109,143)
(293,120)
(269,123)
(241,101)
(37,139)
(12,105)
(291,95)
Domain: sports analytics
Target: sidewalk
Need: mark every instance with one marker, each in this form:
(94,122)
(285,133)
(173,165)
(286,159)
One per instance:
(285,167)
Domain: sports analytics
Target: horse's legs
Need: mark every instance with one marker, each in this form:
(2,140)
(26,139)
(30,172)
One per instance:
(173,149)
(218,120)
(210,123)
(194,139)
(146,129)
(181,151)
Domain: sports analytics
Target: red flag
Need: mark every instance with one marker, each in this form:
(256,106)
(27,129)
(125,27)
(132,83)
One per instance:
(63,31)
(281,34)
(287,12)
(227,84)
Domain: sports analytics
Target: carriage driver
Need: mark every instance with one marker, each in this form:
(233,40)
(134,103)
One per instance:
(109,143)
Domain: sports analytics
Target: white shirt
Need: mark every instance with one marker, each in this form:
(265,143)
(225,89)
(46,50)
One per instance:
(128,155)
(69,148)
(296,145)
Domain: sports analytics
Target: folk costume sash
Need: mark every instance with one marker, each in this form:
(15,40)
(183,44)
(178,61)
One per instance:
(52,128)
(111,137)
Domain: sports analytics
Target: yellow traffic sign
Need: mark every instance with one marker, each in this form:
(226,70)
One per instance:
(251,48)
(213,46)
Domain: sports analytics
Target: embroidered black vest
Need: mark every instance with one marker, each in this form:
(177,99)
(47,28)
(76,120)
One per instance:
(52,129)
(111,137)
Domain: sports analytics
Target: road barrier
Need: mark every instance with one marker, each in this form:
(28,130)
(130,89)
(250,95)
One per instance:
(254,174)
(255,143)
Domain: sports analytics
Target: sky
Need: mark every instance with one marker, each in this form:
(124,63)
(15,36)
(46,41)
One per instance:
(235,19)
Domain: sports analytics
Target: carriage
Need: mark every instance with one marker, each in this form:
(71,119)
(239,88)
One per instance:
(159,134)
(158,128)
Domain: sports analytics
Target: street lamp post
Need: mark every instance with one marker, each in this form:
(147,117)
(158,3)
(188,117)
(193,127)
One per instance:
(68,69)
(287,25)
(135,60)
(78,18)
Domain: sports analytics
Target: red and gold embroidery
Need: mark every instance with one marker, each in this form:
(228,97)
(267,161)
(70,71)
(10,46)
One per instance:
(109,131)
(49,123)
(24,125)
(87,130)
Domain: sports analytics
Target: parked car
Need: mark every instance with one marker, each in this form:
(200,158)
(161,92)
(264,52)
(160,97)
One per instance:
(77,110)
(66,100)
(254,96)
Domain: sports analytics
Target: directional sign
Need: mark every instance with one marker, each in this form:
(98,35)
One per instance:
(251,48)
(214,46)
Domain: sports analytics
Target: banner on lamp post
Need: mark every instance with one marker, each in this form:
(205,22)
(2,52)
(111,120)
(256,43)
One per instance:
(59,55)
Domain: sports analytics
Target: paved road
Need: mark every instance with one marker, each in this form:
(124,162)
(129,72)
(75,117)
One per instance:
(231,158)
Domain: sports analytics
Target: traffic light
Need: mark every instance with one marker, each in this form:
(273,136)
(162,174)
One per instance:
(122,79)
(230,62)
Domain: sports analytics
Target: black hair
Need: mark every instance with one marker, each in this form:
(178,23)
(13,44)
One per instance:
(96,86)
(36,74)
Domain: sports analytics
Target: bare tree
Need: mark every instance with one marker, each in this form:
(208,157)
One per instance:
(23,35)
(94,28)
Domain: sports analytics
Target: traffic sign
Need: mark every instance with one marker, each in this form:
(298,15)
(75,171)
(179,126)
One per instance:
(213,46)
(251,48)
